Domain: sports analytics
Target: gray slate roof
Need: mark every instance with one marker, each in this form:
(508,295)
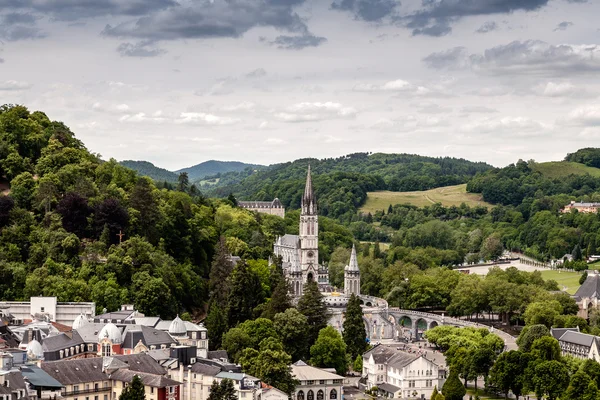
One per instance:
(142,363)
(386,387)
(205,369)
(217,355)
(157,381)
(590,288)
(581,339)
(558,332)
(39,378)
(148,335)
(290,240)
(14,381)
(72,372)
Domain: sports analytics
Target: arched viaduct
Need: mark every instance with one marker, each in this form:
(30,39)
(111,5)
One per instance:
(384,323)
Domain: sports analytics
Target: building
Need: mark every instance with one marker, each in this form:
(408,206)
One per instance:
(46,309)
(246,386)
(12,382)
(582,207)
(300,253)
(588,294)
(399,374)
(104,378)
(266,207)
(577,344)
(316,383)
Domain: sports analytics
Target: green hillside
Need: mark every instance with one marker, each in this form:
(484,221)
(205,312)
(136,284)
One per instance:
(560,169)
(447,196)
(213,167)
(146,168)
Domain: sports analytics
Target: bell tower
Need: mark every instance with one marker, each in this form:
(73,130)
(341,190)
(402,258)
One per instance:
(309,233)
(352,275)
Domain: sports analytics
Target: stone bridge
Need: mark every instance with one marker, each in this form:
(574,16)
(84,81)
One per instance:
(385,323)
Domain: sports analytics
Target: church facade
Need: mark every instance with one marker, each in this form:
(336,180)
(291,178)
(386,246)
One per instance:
(300,253)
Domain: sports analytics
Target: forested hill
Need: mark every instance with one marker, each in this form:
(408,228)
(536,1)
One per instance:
(214,167)
(150,170)
(342,183)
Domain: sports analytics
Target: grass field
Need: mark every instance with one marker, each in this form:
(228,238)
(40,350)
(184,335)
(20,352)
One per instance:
(559,169)
(447,196)
(566,280)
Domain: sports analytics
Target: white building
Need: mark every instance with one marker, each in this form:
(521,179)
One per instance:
(316,383)
(46,308)
(399,374)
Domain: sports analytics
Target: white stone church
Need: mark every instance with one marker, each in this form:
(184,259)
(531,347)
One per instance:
(300,253)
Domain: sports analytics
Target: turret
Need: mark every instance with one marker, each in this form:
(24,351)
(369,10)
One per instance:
(352,275)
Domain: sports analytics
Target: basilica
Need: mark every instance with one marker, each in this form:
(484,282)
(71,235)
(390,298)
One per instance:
(300,253)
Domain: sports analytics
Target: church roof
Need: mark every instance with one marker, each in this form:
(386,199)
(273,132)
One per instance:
(290,240)
(590,288)
(353,264)
(309,195)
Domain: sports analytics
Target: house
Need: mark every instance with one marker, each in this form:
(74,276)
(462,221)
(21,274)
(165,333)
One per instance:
(271,393)
(577,344)
(582,207)
(588,294)
(40,383)
(398,374)
(104,378)
(46,309)
(316,383)
(266,207)
(247,387)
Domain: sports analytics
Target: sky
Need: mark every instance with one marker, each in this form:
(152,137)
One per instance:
(178,82)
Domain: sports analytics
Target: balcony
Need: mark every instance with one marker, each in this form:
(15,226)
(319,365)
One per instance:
(85,392)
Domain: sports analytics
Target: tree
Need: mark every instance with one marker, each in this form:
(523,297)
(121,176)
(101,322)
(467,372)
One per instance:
(434,393)
(354,333)
(453,389)
(223,391)
(134,391)
(483,359)
(492,248)
(292,326)
(542,313)
(329,351)
(235,341)
(508,372)
(216,324)
(6,205)
(220,271)
(550,378)
(280,300)
(529,334)
(546,348)
(246,293)
(112,215)
(183,182)
(271,364)
(231,198)
(312,306)
(578,385)
(357,366)
(143,200)
(74,211)
(576,253)
(583,277)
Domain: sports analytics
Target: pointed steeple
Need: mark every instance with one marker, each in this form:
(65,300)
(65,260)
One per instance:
(309,205)
(353,264)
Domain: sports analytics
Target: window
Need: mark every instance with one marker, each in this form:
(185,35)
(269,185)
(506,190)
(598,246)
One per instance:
(96,387)
(310,395)
(87,386)
(42,309)
(152,390)
(310,382)
(300,395)
(171,389)
(333,394)
(428,383)
(106,350)
(243,395)
(75,388)
(321,382)
(320,395)
(105,397)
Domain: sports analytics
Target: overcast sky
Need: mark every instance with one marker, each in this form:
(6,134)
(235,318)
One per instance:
(264,81)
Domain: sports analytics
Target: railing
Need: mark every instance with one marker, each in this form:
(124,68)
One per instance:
(86,391)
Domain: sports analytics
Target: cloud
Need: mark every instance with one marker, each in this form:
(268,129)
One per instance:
(211,19)
(142,117)
(454,58)
(12,85)
(243,106)
(69,10)
(487,27)
(435,17)
(558,89)
(1,60)
(508,127)
(304,112)
(298,42)
(392,86)
(199,118)
(478,109)
(367,10)
(563,26)
(432,108)
(19,26)
(588,115)
(140,49)
(408,123)
(257,73)
(531,56)
(112,108)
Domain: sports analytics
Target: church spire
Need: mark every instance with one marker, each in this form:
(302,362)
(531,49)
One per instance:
(309,204)
(353,264)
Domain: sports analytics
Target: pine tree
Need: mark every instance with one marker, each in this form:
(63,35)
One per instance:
(453,388)
(231,198)
(183,182)
(390,209)
(354,334)
(583,277)
(246,293)
(280,300)
(376,250)
(134,391)
(216,324)
(577,256)
(434,393)
(221,269)
(311,305)
(222,391)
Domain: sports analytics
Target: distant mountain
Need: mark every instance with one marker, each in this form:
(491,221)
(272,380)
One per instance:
(213,167)
(146,168)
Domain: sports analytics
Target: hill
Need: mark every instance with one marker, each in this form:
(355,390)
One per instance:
(146,168)
(561,169)
(342,183)
(214,167)
(447,196)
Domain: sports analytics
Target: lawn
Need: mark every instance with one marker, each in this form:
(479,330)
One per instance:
(559,169)
(568,281)
(447,196)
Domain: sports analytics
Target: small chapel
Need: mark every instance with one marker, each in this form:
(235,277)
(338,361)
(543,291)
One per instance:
(300,253)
